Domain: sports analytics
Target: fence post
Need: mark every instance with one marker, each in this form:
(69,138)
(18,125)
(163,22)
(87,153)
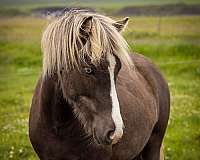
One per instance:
(159,24)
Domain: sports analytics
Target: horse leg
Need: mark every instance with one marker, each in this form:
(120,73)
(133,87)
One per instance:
(153,149)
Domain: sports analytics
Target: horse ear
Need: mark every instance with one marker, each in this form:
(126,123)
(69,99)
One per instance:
(86,27)
(121,25)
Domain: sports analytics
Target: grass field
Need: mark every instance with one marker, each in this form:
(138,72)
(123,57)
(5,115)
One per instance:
(174,46)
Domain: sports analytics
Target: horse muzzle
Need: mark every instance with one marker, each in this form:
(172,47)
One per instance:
(110,137)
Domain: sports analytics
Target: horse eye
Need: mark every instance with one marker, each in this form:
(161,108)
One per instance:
(88,70)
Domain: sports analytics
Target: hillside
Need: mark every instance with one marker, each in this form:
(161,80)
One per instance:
(90,3)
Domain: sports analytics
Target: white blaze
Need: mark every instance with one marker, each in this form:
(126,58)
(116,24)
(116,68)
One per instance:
(116,115)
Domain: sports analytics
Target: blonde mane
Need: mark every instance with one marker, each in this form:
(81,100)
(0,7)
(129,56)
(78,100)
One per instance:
(63,48)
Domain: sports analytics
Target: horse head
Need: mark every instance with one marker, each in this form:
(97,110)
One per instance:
(86,52)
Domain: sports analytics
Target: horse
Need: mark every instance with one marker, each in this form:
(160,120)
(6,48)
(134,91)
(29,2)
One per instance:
(95,100)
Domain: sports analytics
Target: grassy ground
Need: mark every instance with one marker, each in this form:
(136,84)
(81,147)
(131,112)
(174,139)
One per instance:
(173,46)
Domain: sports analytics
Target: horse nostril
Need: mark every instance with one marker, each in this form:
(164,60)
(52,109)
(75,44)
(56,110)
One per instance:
(109,135)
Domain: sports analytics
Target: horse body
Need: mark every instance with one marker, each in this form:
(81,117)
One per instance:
(144,99)
(71,117)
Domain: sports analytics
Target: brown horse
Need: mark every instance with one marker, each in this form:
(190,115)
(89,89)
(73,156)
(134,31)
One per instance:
(94,100)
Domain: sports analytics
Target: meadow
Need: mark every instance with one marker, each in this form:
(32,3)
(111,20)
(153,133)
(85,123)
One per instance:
(173,43)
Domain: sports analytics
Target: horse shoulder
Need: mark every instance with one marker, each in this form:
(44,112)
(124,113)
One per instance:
(140,93)
(159,87)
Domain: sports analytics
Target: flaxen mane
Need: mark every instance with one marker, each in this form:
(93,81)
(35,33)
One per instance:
(63,46)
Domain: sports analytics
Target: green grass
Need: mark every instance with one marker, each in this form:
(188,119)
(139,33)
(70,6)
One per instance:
(174,48)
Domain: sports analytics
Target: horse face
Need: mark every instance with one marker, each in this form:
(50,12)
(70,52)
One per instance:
(92,93)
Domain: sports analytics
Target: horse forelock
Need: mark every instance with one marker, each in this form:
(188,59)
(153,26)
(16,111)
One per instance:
(63,47)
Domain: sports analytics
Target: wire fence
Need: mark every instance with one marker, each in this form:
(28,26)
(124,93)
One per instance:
(180,62)
(33,72)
